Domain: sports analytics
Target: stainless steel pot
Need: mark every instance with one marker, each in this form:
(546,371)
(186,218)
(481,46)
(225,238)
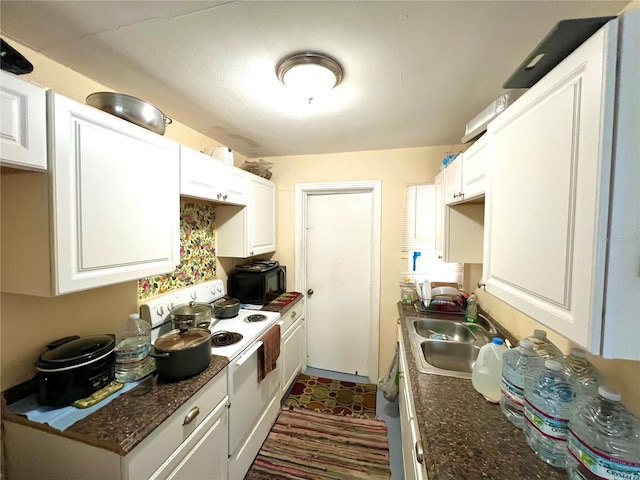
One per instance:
(182,353)
(226,308)
(191,315)
(131,109)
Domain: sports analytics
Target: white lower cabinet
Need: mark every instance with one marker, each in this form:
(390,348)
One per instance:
(23,130)
(551,231)
(292,346)
(107,211)
(412,450)
(190,444)
(245,232)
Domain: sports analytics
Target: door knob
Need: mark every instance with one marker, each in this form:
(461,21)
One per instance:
(310,292)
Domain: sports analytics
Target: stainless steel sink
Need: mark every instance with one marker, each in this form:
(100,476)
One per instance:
(448,346)
(443,330)
(451,356)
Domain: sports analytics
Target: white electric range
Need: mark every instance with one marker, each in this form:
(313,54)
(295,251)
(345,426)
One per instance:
(254,404)
(157,313)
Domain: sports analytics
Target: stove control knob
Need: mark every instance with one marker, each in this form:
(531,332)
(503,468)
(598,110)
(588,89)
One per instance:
(219,288)
(194,295)
(160,310)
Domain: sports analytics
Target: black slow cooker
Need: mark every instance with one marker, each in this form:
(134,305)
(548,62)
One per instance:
(74,367)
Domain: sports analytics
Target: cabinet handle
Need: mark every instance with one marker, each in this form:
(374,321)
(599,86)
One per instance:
(481,285)
(440,257)
(191,416)
(419,452)
(293,314)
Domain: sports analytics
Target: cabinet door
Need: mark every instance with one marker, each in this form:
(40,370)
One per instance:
(414,467)
(262,216)
(549,190)
(438,242)
(292,351)
(453,181)
(116,199)
(23,135)
(475,162)
(202,176)
(204,454)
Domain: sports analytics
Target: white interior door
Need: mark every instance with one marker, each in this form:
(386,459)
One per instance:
(340,255)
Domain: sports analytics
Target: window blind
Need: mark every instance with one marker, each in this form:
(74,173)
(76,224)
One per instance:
(418,231)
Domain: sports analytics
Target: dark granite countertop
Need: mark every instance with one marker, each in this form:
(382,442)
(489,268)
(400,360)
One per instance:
(123,423)
(463,435)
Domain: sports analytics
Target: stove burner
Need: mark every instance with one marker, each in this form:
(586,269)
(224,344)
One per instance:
(256,317)
(224,338)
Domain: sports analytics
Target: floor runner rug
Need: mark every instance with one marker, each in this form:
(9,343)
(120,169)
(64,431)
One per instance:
(333,396)
(308,445)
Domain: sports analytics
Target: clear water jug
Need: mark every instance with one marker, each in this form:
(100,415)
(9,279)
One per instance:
(519,365)
(487,370)
(603,440)
(548,401)
(543,346)
(586,375)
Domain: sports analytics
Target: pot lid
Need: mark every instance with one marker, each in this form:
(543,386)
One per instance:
(180,340)
(191,308)
(226,302)
(77,352)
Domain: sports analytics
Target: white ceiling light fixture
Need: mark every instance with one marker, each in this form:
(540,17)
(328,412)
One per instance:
(310,74)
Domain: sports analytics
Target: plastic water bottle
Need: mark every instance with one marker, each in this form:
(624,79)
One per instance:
(133,344)
(471,314)
(603,440)
(543,346)
(487,370)
(519,364)
(587,375)
(548,400)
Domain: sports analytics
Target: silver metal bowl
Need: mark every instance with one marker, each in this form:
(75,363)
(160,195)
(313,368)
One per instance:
(131,109)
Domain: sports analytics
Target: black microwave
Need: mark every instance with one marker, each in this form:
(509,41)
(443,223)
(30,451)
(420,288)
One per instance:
(255,287)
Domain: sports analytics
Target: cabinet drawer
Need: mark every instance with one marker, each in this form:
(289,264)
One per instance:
(289,318)
(153,450)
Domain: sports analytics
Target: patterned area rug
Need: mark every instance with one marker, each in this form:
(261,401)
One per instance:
(308,445)
(333,396)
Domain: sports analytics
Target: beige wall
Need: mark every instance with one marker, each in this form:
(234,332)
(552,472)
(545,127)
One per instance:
(28,323)
(395,168)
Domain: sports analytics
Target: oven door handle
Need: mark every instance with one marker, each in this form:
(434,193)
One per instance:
(245,357)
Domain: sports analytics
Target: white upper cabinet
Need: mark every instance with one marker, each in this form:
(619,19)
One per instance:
(459,229)
(249,231)
(475,164)
(547,206)
(107,212)
(466,177)
(23,132)
(207,178)
(453,181)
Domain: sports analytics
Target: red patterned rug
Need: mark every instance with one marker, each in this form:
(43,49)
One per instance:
(333,396)
(306,445)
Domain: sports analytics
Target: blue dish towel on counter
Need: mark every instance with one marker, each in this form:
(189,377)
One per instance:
(61,418)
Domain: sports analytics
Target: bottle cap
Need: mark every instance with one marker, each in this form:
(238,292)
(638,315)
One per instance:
(540,334)
(497,341)
(604,392)
(578,352)
(553,365)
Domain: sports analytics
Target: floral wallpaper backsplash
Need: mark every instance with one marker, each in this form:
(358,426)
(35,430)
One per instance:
(197,253)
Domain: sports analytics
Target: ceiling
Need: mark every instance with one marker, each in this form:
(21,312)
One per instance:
(414,72)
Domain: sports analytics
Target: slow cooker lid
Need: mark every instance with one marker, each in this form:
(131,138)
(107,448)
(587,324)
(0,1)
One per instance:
(78,351)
